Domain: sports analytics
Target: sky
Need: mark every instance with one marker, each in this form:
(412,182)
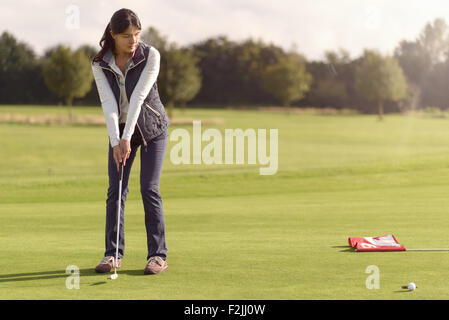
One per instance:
(309,27)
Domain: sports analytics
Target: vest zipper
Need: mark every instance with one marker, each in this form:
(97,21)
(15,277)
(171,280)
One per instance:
(118,84)
(148,105)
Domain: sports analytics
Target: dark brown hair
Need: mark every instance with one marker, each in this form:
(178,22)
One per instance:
(120,21)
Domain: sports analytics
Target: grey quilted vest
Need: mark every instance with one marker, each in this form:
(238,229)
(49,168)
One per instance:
(152,120)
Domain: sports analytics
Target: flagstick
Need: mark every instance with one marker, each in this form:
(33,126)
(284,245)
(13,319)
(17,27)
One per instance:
(407,250)
(426,249)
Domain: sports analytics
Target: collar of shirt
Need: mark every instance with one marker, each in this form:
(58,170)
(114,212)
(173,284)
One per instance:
(114,67)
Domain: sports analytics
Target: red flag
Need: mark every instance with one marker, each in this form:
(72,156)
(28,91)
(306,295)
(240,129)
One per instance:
(384,243)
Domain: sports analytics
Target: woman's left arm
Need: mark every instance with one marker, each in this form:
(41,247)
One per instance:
(144,84)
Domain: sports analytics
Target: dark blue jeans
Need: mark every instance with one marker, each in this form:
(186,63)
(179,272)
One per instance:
(151,161)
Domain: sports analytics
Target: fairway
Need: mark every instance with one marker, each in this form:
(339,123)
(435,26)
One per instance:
(231,232)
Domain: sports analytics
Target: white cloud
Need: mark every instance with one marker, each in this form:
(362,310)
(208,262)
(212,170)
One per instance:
(314,26)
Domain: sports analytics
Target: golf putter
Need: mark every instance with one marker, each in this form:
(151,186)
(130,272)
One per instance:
(115,275)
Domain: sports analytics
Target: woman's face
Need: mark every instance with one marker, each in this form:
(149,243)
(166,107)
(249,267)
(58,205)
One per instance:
(126,41)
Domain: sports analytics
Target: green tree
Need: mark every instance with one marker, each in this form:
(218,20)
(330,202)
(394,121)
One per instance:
(380,79)
(68,74)
(331,79)
(418,59)
(88,50)
(219,71)
(91,98)
(179,78)
(251,59)
(287,80)
(434,38)
(153,37)
(190,77)
(13,54)
(18,66)
(435,91)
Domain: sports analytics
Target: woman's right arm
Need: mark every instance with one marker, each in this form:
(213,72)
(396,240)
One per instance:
(108,104)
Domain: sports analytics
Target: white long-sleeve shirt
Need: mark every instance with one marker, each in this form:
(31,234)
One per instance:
(129,111)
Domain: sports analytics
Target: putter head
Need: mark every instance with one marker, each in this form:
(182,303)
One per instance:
(406,287)
(113,276)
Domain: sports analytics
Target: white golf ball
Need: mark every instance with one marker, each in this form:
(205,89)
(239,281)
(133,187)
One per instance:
(411,286)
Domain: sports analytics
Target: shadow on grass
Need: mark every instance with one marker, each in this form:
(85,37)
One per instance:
(138,272)
(347,248)
(98,283)
(45,275)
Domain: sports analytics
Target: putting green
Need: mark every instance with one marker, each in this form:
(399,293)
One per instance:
(232,233)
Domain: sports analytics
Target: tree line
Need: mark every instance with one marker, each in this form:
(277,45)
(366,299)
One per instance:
(220,72)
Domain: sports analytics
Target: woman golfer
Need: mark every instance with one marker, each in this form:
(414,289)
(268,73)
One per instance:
(125,71)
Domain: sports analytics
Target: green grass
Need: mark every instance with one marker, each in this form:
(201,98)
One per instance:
(232,233)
